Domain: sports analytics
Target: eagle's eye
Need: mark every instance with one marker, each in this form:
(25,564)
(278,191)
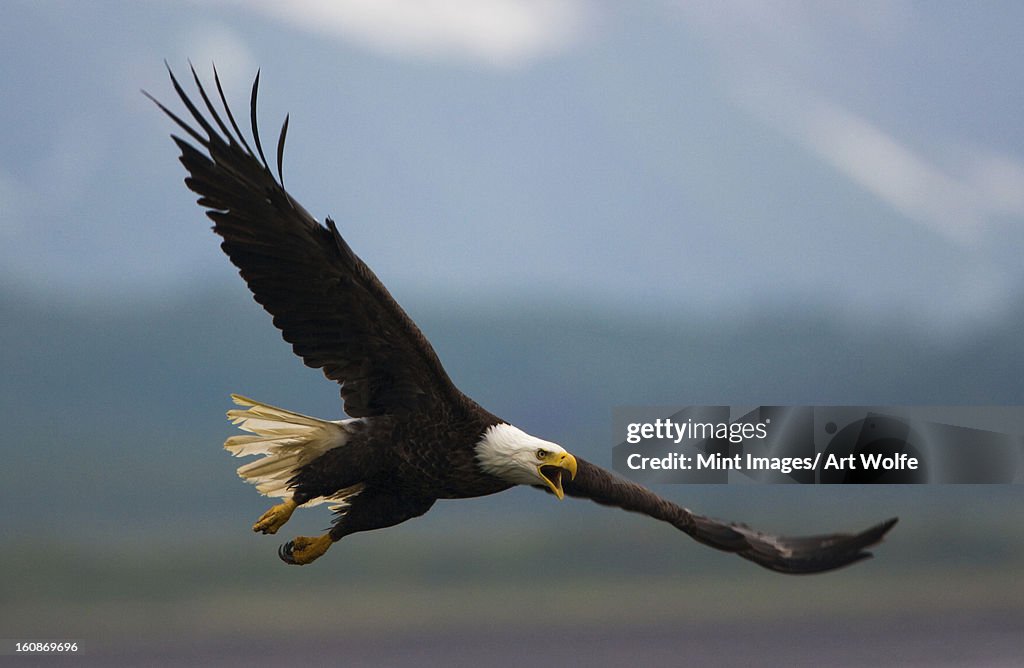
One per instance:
(542,454)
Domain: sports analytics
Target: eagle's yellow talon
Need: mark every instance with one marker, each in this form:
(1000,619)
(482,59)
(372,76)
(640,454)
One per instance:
(272,520)
(303,550)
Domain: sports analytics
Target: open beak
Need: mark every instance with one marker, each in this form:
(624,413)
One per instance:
(552,470)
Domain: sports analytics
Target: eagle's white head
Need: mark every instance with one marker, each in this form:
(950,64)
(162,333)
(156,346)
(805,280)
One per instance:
(513,455)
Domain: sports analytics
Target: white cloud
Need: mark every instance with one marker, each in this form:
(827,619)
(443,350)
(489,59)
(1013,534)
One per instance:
(956,205)
(781,63)
(502,33)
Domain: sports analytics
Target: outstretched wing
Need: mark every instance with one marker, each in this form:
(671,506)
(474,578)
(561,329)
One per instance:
(327,303)
(805,554)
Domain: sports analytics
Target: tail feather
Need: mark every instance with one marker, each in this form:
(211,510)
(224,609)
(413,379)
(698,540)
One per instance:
(286,439)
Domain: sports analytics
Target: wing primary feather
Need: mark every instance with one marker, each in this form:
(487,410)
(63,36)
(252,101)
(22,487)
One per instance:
(209,105)
(227,109)
(174,117)
(280,149)
(203,123)
(252,119)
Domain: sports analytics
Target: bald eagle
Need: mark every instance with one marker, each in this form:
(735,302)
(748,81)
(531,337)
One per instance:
(411,437)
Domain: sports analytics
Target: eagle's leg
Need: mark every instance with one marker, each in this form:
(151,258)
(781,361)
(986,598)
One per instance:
(370,509)
(274,519)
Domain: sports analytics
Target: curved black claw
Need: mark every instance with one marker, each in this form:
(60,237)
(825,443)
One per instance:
(285,552)
(303,550)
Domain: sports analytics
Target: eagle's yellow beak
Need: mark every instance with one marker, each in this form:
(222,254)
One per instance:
(552,468)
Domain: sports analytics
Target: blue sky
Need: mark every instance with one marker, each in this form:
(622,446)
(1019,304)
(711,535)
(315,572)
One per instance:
(658,157)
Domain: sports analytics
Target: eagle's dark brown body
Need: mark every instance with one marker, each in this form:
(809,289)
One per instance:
(399,454)
(401,474)
(418,434)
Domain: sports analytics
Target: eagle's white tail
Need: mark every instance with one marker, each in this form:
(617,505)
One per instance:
(287,440)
